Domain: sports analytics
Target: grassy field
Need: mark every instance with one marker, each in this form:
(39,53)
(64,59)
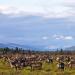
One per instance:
(47,69)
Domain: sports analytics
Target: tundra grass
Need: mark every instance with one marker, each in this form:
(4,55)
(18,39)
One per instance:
(47,69)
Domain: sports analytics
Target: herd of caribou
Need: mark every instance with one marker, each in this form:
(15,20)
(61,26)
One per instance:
(35,61)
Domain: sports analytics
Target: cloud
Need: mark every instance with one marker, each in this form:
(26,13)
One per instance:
(62,37)
(45,38)
(12,11)
(9,10)
(45,8)
(68,38)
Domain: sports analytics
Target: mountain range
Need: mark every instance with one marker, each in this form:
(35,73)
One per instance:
(70,48)
(13,45)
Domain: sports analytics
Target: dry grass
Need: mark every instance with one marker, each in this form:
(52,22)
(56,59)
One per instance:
(47,69)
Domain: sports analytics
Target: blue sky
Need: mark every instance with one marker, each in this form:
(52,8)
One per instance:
(48,23)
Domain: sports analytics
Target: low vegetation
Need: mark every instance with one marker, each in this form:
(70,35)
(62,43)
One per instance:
(47,68)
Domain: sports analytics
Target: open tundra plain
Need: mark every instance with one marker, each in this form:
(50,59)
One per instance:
(37,63)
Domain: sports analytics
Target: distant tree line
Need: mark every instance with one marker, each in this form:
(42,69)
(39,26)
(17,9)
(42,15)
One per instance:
(21,50)
(10,50)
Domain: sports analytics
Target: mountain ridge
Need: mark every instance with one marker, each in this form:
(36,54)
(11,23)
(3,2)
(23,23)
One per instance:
(70,48)
(13,45)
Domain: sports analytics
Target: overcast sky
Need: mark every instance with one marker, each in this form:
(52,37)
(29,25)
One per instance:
(48,23)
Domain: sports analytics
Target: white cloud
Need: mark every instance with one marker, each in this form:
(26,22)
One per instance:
(45,8)
(8,9)
(62,37)
(45,38)
(68,38)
